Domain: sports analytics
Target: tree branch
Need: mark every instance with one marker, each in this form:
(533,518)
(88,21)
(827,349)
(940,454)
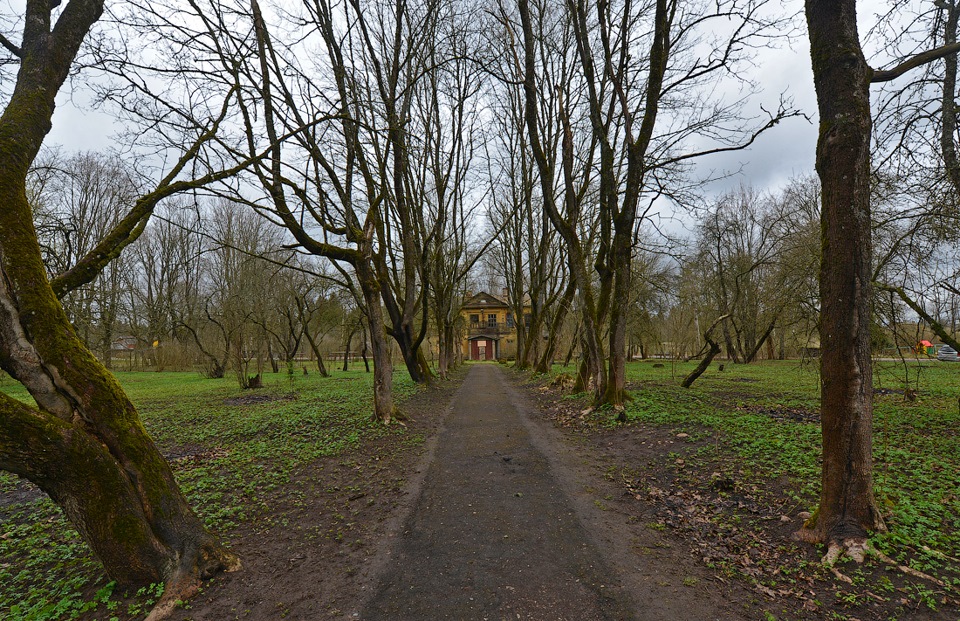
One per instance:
(13,49)
(885,75)
(934,324)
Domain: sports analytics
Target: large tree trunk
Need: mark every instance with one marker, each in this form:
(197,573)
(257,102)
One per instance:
(847,507)
(413,357)
(83,443)
(621,255)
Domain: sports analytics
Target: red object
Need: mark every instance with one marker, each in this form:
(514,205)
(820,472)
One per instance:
(482,349)
(926,343)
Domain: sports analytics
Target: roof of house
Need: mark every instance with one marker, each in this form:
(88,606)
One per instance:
(484,300)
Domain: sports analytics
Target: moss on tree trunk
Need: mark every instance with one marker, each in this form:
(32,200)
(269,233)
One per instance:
(847,508)
(83,443)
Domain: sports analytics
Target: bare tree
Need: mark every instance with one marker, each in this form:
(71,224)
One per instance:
(77,200)
(83,443)
(628,81)
(743,244)
(848,510)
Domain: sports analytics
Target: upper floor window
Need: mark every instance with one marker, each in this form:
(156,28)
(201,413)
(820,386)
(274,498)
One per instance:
(474,319)
(509,320)
(491,321)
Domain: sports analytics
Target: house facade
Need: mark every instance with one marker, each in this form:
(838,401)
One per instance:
(490,328)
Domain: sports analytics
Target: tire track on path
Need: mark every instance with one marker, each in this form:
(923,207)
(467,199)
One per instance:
(493,536)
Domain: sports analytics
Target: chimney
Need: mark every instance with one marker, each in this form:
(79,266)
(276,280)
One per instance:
(506,297)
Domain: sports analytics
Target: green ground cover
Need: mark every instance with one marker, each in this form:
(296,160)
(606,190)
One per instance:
(739,462)
(767,414)
(230,450)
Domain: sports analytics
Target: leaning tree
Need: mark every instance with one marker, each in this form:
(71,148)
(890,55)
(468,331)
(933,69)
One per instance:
(83,442)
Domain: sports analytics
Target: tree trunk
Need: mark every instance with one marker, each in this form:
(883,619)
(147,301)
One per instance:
(346,349)
(714,349)
(316,352)
(621,255)
(752,354)
(532,335)
(935,325)
(572,348)
(84,443)
(592,349)
(553,340)
(948,104)
(363,349)
(446,343)
(707,359)
(413,357)
(842,78)
(383,407)
(274,366)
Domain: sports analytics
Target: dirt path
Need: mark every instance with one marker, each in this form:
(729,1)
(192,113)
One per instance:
(498,515)
(493,535)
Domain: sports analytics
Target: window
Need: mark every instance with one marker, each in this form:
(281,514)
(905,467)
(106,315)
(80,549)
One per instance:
(491,321)
(509,320)
(474,319)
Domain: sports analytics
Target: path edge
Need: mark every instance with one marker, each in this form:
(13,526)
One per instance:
(394,526)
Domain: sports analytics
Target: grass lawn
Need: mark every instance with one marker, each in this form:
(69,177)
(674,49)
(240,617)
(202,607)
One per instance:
(231,450)
(769,412)
(236,451)
(758,426)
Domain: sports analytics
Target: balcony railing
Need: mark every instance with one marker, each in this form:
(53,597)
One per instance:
(486,329)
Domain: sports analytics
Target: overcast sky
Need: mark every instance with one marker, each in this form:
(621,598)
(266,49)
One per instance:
(784,152)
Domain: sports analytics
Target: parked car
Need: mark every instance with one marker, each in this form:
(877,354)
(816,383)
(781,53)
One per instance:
(948,354)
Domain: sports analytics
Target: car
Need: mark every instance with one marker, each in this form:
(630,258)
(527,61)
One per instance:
(948,354)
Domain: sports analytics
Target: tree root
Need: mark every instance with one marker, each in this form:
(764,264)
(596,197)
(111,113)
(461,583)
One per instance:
(859,549)
(910,571)
(854,548)
(178,591)
(186,584)
(939,554)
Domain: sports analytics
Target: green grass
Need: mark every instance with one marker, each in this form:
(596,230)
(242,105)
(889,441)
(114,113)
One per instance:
(233,458)
(916,447)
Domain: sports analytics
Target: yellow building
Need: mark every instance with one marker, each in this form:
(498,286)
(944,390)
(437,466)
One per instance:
(491,331)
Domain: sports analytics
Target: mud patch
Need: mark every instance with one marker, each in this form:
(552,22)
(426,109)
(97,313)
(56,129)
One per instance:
(258,399)
(23,492)
(192,455)
(791,415)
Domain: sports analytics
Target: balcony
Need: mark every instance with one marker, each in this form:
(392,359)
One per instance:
(492,330)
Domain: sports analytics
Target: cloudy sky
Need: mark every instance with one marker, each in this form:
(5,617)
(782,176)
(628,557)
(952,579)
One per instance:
(784,152)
